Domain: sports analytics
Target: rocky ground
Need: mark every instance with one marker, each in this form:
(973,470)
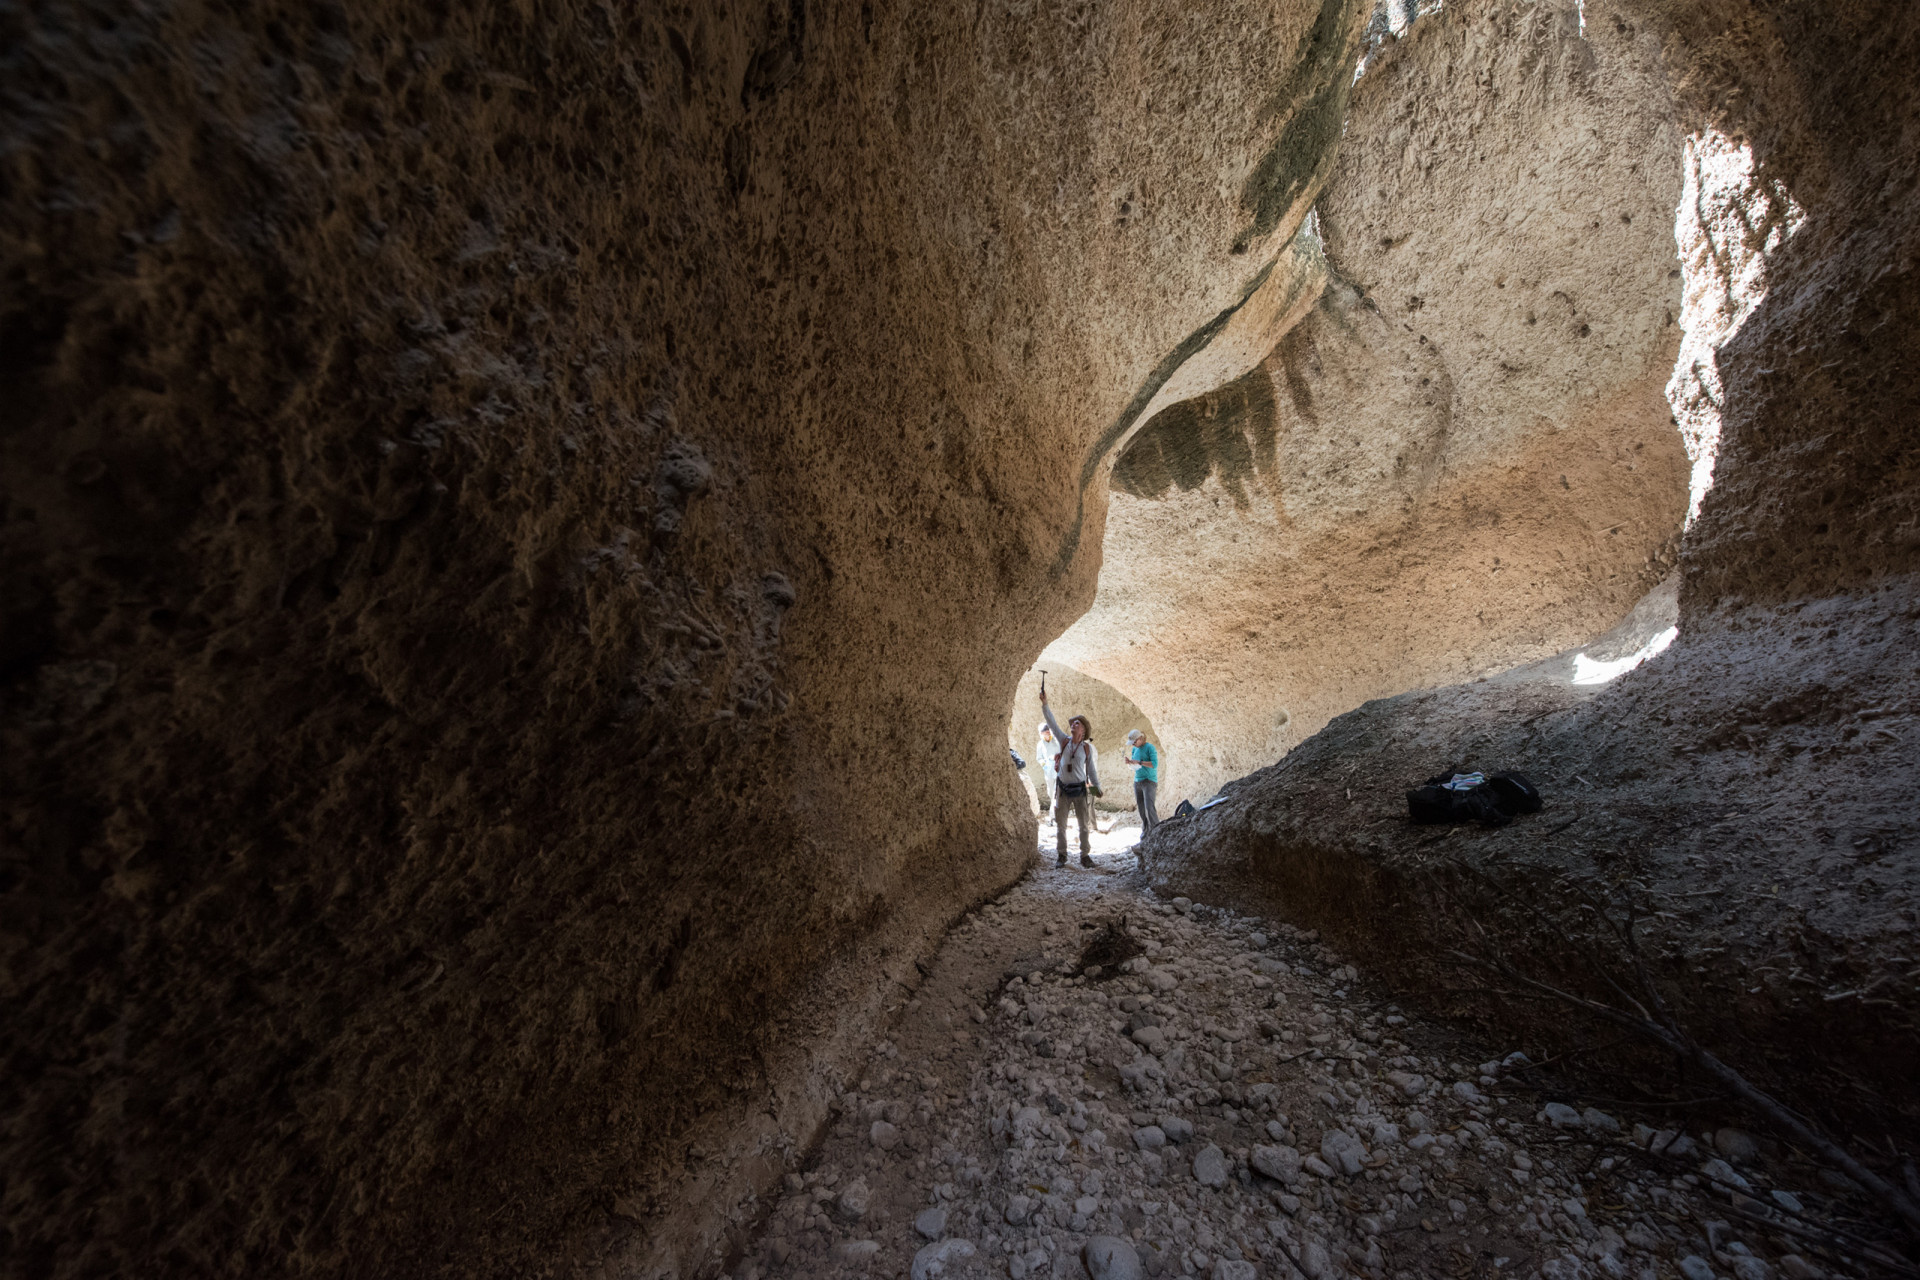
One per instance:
(1743,799)
(1094,1080)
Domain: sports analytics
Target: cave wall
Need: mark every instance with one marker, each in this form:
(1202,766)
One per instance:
(1814,485)
(1461,457)
(1743,798)
(491,496)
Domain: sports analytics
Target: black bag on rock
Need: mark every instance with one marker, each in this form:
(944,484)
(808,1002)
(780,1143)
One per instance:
(1472,797)
(1430,804)
(1515,793)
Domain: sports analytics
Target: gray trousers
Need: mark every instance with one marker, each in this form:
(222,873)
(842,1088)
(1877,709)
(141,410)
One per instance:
(1143,794)
(1065,806)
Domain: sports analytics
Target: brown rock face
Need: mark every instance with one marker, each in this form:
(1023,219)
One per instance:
(1815,483)
(1745,795)
(1462,457)
(503,507)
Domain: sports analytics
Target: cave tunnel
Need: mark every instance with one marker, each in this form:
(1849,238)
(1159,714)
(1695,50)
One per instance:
(530,530)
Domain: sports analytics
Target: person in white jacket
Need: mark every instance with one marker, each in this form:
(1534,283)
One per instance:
(1076,782)
(1045,748)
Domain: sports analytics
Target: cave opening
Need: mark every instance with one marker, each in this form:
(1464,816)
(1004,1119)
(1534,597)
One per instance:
(523,529)
(1114,717)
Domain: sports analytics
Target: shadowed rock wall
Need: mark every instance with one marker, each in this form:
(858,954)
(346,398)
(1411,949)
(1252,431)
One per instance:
(487,490)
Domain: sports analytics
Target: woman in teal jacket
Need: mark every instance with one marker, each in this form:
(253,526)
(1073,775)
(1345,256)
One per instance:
(1146,779)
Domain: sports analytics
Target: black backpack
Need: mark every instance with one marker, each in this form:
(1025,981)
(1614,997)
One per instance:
(1494,803)
(1515,793)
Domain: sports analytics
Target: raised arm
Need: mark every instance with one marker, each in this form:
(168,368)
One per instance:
(1059,738)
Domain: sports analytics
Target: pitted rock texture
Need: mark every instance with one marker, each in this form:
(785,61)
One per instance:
(1735,796)
(1814,488)
(1462,457)
(1745,794)
(495,503)
(505,508)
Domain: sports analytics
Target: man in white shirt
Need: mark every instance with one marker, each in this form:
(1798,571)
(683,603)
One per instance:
(1045,748)
(1077,782)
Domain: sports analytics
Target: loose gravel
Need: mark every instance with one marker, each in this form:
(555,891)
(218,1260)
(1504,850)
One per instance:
(1231,1103)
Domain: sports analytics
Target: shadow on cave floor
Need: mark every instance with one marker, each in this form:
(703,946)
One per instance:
(1240,1098)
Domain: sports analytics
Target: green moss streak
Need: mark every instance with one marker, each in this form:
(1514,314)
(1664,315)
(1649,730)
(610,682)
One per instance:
(1191,345)
(1230,432)
(1314,103)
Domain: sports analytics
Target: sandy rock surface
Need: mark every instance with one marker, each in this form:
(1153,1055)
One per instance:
(1234,1101)
(1746,793)
(1462,457)
(521,525)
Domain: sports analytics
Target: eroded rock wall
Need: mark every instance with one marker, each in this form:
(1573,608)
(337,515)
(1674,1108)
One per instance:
(1743,796)
(487,491)
(1462,457)
(1736,801)
(1814,485)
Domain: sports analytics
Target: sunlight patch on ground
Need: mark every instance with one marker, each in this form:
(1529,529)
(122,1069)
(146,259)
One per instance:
(1587,671)
(1111,849)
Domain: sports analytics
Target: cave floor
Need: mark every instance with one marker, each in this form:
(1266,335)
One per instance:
(1240,1104)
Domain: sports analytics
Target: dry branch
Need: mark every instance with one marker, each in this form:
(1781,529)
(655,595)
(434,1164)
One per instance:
(1653,1021)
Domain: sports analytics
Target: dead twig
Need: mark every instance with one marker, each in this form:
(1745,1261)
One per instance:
(1667,1033)
(1823,1236)
(1840,1243)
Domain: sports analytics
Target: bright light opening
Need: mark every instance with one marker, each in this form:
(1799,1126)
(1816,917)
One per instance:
(1730,223)
(1587,671)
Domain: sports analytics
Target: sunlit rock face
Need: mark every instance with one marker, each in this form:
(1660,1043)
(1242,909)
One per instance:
(1732,221)
(1742,799)
(1803,240)
(522,524)
(1462,457)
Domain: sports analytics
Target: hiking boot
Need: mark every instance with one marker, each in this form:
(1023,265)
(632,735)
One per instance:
(1062,862)
(1085,861)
